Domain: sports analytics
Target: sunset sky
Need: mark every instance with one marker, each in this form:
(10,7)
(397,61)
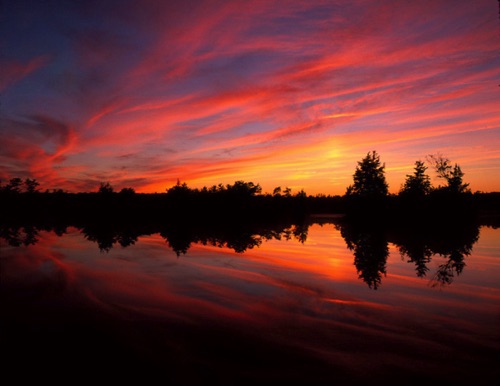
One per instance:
(280,93)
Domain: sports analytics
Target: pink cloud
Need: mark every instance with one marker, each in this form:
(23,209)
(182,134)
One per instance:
(213,85)
(38,145)
(14,71)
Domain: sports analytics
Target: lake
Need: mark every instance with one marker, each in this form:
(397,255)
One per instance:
(317,304)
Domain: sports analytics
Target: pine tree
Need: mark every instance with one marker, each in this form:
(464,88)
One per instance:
(369,178)
(418,183)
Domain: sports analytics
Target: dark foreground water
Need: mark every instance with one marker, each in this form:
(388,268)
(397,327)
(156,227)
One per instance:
(288,308)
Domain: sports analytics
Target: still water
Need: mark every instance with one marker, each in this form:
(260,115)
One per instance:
(289,307)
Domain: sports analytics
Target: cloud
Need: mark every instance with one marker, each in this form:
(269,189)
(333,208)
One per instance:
(35,145)
(13,70)
(191,88)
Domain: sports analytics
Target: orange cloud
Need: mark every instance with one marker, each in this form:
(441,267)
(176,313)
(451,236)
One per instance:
(289,96)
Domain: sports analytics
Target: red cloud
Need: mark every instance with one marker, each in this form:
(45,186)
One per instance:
(14,71)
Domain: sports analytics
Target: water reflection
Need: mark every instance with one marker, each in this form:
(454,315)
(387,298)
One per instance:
(19,235)
(263,304)
(453,241)
(370,248)
(369,242)
(418,242)
(180,237)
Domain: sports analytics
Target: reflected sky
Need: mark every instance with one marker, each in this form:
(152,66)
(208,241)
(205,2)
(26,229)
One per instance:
(304,301)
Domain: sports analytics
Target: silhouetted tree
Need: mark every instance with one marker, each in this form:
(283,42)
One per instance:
(31,185)
(301,194)
(455,181)
(14,185)
(105,188)
(179,190)
(369,178)
(418,183)
(453,175)
(127,191)
(242,188)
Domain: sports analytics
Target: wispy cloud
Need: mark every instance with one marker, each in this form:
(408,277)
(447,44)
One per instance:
(214,91)
(13,70)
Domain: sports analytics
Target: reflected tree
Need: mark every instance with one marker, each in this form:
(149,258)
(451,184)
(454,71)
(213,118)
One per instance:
(126,239)
(103,235)
(454,245)
(60,229)
(419,254)
(17,236)
(178,238)
(30,235)
(106,235)
(446,272)
(450,239)
(243,242)
(370,249)
(299,232)
(12,235)
(236,236)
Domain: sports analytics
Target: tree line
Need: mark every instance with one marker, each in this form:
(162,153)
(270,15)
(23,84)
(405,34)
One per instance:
(368,180)
(368,193)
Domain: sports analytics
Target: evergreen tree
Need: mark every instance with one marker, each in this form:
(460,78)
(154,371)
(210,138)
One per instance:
(418,183)
(455,181)
(369,178)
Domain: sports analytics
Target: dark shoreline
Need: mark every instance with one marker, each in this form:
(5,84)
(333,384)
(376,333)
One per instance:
(240,205)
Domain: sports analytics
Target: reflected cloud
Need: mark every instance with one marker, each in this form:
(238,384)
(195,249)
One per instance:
(419,243)
(293,301)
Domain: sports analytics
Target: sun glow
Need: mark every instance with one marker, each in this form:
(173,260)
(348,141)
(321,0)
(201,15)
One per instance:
(278,96)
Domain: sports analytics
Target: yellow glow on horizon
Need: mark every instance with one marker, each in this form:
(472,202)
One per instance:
(334,116)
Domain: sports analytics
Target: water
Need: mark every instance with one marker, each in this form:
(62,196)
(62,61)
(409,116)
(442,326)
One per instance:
(291,306)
